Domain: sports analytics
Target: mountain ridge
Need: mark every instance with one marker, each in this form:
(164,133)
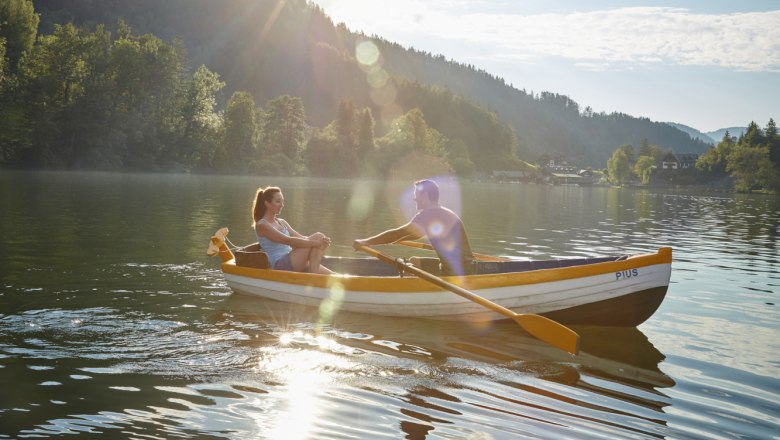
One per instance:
(298,50)
(712,137)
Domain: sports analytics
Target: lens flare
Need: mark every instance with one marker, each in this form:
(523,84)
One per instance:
(361,203)
(436,229)
(367,53)
(331,305)
(377,78)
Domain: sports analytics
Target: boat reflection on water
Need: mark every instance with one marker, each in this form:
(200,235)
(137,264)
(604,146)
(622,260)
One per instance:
(448,368)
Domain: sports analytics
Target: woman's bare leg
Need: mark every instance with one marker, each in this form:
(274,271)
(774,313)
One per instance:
(304,259)
(299,257)
(315,257)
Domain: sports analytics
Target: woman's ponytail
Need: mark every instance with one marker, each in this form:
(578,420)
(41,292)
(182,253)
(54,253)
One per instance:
(258,207)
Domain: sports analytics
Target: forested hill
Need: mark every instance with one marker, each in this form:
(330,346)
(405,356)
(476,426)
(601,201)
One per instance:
(270,48)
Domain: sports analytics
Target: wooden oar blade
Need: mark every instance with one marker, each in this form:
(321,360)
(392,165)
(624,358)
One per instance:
(550,332)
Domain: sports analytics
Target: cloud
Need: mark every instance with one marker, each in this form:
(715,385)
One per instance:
(604,39)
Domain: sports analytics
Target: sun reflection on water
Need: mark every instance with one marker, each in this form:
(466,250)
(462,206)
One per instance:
(305,367)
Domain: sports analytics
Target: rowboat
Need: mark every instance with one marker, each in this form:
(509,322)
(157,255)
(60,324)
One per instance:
(623,290)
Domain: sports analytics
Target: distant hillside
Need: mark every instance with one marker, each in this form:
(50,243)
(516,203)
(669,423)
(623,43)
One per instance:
(694,133)
(712,137)
(296,49)
(733,132)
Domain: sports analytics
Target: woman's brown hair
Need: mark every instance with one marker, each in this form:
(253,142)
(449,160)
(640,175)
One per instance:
(258,206)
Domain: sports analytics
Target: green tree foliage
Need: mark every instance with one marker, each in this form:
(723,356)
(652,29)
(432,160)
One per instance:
(410,132)
(750,160)
(4,74)
(324,156)
(343,148)
(643,168)
(202,123)
(491,144)
(366,144)
(751,168)
(283,126)
(714,161)
(463,167)
(654,151)
(410,145)
(237,150)
(18,27)
(61,80)
(773,141)
(618,167)
(148,80)
(629,151)
(346,127)
(3,67)
(7,120)
(84,100)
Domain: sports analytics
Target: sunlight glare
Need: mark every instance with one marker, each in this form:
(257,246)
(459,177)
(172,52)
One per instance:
(331,305)
(304,365)
(361,203)
(286,338)
(303,406)
(299,402)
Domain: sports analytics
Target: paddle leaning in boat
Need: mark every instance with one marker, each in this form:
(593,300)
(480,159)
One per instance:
(609,291)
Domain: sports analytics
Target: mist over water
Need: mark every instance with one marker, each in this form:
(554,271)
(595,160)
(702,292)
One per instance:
(113,321)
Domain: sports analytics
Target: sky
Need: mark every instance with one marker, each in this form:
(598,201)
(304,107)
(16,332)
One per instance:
(706,64)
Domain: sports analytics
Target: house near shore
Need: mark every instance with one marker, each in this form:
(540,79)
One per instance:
(562,171)
(679,161)
(582,177)
(557,163)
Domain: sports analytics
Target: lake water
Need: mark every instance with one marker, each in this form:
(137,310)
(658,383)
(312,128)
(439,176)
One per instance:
(113,321)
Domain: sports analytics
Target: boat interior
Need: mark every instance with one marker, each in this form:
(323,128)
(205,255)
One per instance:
(253,256)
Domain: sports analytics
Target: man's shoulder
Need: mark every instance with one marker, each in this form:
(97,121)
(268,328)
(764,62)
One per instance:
(436,211)
(443,210)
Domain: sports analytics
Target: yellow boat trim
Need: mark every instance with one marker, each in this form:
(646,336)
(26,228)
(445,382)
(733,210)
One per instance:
(411,284)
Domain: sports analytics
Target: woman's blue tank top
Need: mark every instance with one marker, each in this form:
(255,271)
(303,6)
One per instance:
(274,250)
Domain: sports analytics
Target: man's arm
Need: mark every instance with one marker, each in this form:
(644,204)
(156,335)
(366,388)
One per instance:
(409,231)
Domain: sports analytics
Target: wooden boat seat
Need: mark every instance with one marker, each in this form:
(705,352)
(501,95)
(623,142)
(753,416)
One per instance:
(251,256)
(359,266)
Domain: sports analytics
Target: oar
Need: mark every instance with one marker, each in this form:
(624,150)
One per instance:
(543,328)
(419,245)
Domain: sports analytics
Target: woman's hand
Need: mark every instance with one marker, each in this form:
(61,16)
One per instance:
(322,239)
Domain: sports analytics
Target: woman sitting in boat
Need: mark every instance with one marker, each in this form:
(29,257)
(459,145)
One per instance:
(285,247)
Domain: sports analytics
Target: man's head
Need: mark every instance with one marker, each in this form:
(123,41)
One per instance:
(426,193)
